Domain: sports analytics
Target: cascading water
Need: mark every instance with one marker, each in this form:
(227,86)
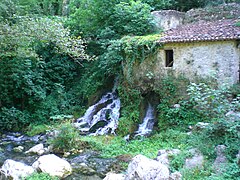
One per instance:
(146,127)
(102,117)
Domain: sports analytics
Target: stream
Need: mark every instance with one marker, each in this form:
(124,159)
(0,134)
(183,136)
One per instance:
(87,165)
(99,119)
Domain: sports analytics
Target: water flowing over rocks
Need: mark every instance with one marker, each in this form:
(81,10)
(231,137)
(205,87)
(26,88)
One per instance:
(15,170)
(13,144)
(86,165)
(114,176)
(53,165)
(102,117)
(146,127)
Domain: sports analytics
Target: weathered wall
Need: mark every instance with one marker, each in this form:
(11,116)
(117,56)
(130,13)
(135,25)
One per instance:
(219,59)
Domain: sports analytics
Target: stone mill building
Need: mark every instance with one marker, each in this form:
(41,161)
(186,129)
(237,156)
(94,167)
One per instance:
(196,44)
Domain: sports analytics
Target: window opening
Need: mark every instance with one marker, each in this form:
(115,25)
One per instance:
(169,58)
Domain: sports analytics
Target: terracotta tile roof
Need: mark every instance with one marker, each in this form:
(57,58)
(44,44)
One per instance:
(203,31)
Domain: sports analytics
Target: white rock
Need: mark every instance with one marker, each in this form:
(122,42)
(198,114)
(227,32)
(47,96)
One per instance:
(201,125)
(196,161)
(163,155)
(16,170)
(238,158)
(144,168)
(38,149)
(18,149)
(221,159)
(114,176)
(176,176)
(53,165)
(177,106)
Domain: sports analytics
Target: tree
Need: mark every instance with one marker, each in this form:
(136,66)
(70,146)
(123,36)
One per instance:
(132,18)
(38,59)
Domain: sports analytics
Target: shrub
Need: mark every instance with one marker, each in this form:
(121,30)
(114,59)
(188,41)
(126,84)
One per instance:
(68,139)
(132,18)
(212,102)
(35,129)
(13,119)
(130,103)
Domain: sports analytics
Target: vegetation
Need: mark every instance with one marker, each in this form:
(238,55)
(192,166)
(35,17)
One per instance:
(41,176)
(54,56)
(112,146)
(67,139)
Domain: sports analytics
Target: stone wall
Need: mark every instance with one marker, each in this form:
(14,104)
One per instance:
(219,60)
(168,19)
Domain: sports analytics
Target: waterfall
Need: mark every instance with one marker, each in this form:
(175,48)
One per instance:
(146,127)
(102,117)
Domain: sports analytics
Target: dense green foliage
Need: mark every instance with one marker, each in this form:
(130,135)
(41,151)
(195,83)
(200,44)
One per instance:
(55,56)
(39,61)
(111,146)
(130,115)
(67,139)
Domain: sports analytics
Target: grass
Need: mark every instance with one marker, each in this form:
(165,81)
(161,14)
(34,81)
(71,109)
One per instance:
(112,146)
(35,129)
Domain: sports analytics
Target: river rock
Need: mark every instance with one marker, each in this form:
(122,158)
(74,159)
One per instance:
(16,170)
(38,149)
(233,116)
(175,176)
(176,106)
(221,159)
(53,165)
(238,158)
(18,149)
(196,161)
(102,165)
(114,176)
(163,155)
(99,124)
(83,168)
(201,126)
(142,167)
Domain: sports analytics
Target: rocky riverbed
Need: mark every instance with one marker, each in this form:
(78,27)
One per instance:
(28,150)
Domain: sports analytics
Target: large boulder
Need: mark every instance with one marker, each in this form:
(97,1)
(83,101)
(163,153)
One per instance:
(143,168)
(233,116)
(221,160)
(196,161)
(16,170)
(38,149)
(53,165)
